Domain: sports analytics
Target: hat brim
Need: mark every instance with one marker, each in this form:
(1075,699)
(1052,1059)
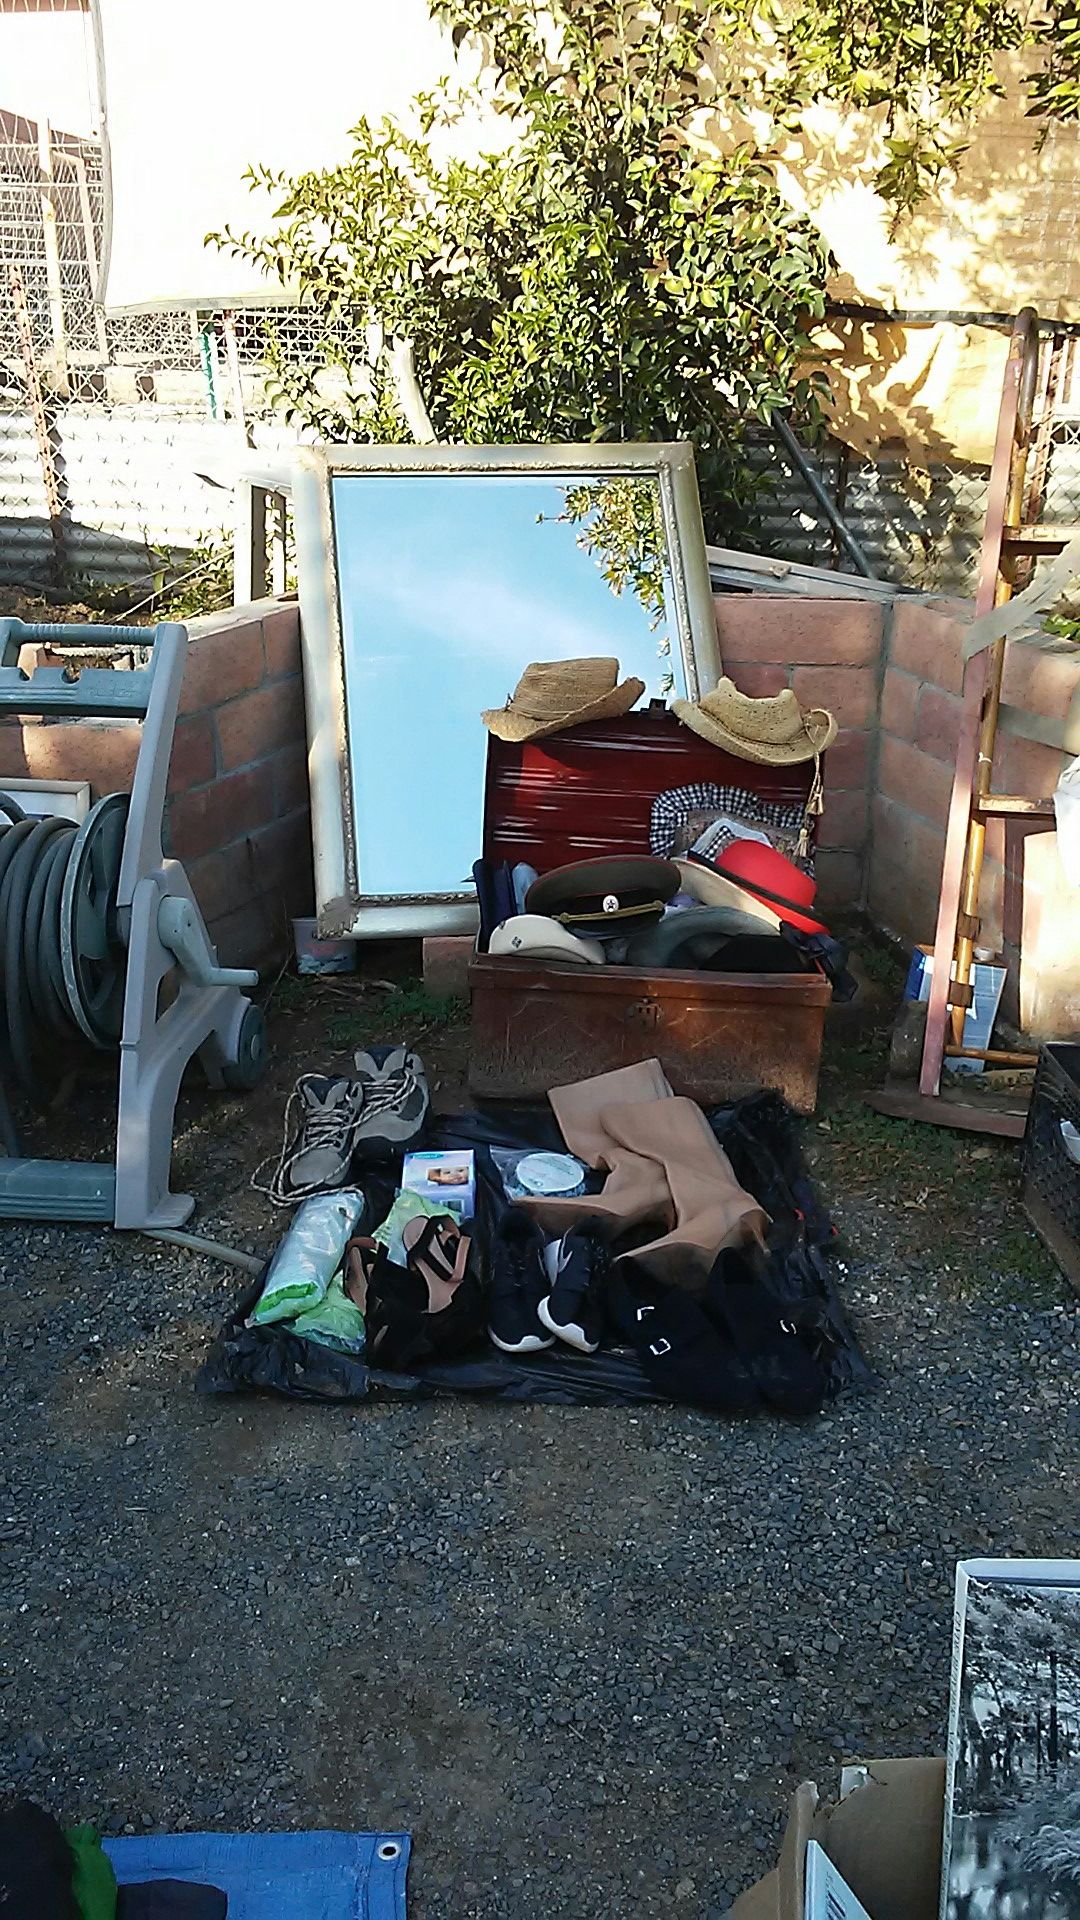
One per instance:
(577,891)
(716,890)
(543,939)
(766,753)
(507,724)
(787,916)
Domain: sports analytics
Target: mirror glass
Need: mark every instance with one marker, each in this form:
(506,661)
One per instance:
(450,585)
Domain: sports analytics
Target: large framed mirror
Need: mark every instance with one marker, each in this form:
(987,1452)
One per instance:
(430,578)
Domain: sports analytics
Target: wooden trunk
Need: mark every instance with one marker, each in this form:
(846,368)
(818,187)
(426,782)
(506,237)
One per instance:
(540,1024)
(716,1035)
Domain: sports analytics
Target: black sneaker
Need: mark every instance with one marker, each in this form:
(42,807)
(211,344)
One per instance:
(517,1286)
(574,1308)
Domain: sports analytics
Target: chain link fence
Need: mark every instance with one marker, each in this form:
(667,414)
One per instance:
(117,434)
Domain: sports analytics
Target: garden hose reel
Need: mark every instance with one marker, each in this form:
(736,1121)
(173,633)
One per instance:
(102,943)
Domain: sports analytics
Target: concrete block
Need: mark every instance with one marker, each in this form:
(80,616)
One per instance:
(446,963)
(847,763)
(937,724)
(757,680)
(222,664)
(291,791)
(1042,683)
(105,754)
(844,824)
(1026,766)
(905,870)
(260,723)
(927,643)
(225,879)
(840,881)
(198,822)
(194,754)
(899,699)
(254,935)
(914,780)
(848,692)
(281,641)
(771,628)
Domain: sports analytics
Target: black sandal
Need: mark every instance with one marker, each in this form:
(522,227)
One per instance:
(429,1309)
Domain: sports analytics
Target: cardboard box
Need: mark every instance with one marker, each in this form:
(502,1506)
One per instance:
(987,984)
(446,1179)
(884,1837)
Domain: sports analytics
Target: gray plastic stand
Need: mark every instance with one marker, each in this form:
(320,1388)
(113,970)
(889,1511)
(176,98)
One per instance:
(164,933)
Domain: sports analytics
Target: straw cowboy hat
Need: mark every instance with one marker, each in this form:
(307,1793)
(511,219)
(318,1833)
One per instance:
(553,694)
(775,731)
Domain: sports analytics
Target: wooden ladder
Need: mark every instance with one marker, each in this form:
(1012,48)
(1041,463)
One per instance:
(1012,540)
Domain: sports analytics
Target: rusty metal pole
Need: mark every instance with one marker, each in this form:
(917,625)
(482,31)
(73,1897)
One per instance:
(958,866)
(967,923)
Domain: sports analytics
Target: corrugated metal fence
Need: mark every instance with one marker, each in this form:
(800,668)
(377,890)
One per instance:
(111,429)
(135,484)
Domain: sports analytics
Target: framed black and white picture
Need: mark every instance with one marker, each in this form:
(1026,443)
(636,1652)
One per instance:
(1012,1798)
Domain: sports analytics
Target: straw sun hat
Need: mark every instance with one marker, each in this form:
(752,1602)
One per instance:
(775,731)
(553,694)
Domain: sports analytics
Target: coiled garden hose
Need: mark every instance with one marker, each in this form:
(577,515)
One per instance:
(62,958)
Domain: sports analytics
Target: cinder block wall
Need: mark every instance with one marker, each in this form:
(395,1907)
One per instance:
(830,652)
(237,812)
(238,809)
(1028,911)
(893,676)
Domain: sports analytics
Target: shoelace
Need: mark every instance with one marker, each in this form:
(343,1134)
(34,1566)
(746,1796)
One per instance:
(510,1270)
(325,1125)
(390,1093)
(320,1127)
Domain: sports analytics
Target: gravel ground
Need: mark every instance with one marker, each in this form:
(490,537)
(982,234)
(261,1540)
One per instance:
(583,1656)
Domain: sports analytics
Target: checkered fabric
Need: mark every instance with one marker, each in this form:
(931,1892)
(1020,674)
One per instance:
(672,810)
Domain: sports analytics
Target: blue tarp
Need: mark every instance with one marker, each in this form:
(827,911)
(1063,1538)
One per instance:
(308,1876)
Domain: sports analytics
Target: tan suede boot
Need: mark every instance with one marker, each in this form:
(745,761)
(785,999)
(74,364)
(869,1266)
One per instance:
(636,1190)
(712,1211)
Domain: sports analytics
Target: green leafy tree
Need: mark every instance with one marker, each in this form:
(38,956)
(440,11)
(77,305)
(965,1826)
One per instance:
(604,277)
(927,65)
(621,525)
(1055,88)
(608,274)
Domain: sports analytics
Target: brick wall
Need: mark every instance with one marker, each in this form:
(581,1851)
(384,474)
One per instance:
(1028,912)
(830,651)
(237,812)
(893,677)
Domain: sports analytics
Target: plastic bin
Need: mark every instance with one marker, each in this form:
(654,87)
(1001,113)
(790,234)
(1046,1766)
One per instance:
(1051,1168)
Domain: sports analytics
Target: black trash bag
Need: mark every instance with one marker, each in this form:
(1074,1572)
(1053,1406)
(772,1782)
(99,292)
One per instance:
(36,1865)
(759,1136)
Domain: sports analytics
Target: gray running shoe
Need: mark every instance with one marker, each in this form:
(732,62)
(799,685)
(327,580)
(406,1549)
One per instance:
(322,1119)
(396,1101)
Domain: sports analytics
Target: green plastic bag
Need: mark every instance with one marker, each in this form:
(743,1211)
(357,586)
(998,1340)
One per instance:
(308,1257)
(407,1206)
(335,1322)
(93,1881)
